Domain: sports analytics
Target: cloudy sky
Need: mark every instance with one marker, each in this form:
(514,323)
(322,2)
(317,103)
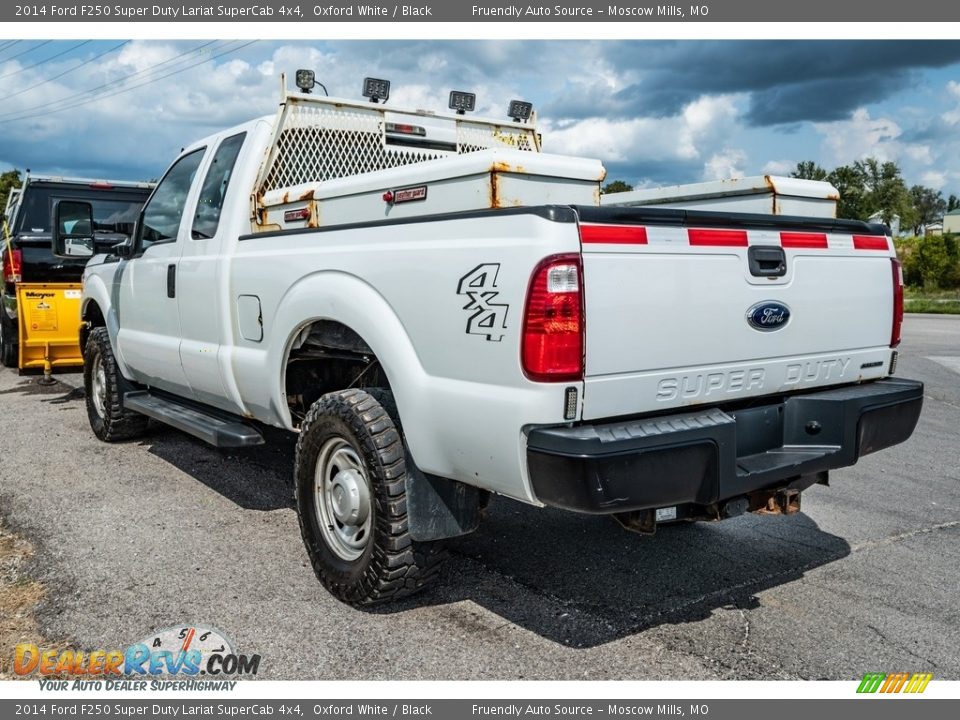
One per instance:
(655,112)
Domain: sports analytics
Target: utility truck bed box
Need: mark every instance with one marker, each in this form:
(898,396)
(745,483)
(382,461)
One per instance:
(481,180)
(764,194)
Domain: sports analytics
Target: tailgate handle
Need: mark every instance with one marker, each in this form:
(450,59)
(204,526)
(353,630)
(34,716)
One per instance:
(767,261)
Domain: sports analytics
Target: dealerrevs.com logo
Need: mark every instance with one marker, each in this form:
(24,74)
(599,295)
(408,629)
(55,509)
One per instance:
(186,651)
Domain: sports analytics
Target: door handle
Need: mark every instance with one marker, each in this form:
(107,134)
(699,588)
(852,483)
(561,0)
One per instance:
(171,281)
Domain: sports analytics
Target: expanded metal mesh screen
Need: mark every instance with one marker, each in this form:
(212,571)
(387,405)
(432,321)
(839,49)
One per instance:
(477,136)
(319,141)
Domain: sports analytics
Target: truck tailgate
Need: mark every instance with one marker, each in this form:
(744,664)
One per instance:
(677,315)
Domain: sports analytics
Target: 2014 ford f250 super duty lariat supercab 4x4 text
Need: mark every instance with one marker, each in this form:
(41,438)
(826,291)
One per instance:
(442,312)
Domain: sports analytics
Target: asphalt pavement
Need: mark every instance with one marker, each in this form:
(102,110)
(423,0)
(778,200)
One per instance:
(135,537)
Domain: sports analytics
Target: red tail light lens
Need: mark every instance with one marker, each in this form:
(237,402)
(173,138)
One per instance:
(552,348)
(897,303)
(12,266)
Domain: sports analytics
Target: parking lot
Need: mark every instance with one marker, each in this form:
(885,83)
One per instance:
(134,537)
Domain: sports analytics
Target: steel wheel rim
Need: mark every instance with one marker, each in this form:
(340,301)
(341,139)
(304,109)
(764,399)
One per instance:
(341,497)
(98,386)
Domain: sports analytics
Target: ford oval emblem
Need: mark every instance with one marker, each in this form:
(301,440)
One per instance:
(768,315)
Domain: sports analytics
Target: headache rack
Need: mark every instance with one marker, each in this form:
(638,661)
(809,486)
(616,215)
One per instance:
(321,138)
(318,140)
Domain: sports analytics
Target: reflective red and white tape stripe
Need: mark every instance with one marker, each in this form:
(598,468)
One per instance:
(710,237)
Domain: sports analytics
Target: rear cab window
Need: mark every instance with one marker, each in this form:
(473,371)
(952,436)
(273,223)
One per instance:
(206,220)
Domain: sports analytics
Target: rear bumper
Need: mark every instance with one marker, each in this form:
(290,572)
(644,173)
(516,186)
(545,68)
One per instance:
(710,456)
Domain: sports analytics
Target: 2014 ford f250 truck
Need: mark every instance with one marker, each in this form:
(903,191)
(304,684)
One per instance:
(441,311)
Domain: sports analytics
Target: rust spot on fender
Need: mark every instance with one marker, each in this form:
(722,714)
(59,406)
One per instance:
(308,195)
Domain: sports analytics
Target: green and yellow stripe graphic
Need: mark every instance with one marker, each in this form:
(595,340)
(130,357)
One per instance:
(894,682)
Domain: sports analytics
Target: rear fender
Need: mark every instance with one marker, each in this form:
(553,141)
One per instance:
(347,299)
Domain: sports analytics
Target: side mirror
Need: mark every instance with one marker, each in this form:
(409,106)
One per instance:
(72,229)
(123,249)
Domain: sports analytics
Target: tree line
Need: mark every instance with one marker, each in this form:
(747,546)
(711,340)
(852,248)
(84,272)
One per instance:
(8,181)
(873,187)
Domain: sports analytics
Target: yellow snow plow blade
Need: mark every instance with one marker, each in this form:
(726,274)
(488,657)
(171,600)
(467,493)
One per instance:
(49,325)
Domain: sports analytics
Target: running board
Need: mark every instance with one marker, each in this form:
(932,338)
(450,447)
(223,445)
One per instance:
(215,429)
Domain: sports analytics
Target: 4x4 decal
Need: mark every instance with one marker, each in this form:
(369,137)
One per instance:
(487,317)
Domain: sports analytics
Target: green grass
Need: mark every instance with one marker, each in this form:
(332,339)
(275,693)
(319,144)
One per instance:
(941,302)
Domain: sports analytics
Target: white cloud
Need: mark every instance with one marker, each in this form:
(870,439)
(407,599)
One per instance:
(859,137)
(688,136)
(934,179)
(725,165)
(779,167)
(933,164)
(952,117)
(141,55)
(918,153)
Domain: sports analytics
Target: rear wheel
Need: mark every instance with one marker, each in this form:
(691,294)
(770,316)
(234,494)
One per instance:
(9,336)
(351,500)
(105,387)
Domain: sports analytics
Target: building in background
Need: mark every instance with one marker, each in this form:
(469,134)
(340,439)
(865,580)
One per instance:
(951,222)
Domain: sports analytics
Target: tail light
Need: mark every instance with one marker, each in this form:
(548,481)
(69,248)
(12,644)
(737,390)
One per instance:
(12,266)
(897,303)
(552,348)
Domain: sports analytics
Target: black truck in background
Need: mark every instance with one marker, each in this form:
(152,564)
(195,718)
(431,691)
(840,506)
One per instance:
(25,253)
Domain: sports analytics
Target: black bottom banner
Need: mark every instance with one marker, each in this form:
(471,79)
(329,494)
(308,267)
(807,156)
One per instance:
(875,707)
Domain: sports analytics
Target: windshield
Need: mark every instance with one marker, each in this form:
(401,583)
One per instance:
(111,214)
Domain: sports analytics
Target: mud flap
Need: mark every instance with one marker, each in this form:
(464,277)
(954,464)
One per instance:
(438,508)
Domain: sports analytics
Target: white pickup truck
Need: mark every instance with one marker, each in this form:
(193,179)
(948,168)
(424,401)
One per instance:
(441,311)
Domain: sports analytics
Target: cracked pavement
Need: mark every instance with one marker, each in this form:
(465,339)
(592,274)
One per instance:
(134,537)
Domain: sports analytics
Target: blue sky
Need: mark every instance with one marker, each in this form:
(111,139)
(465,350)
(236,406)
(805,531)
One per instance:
(656,113)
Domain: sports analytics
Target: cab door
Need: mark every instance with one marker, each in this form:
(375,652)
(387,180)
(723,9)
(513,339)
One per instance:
(202,296)
(149,336)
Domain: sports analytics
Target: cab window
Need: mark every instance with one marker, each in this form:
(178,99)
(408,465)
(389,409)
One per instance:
(214,189)
(162,214)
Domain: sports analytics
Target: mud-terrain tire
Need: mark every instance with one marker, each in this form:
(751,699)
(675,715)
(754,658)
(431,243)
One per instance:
(349,480)
(105,387)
